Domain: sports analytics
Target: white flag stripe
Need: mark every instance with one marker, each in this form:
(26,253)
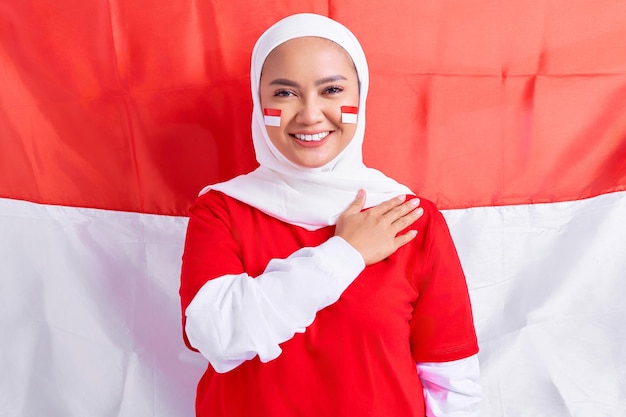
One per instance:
(90,316)
(547,283)
(348,118)
(272,120)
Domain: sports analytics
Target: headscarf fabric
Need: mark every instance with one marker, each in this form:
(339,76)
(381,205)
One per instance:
(311,198)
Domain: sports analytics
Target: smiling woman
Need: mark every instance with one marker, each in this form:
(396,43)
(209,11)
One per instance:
(309,83)
(303,302)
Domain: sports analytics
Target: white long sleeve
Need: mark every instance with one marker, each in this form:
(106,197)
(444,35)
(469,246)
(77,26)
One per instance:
(233,318)
(451,389)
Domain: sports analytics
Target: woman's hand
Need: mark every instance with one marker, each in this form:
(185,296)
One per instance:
(374,232)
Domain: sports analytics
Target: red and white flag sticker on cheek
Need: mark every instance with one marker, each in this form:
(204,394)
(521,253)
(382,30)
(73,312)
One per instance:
(348,114)
(272,117)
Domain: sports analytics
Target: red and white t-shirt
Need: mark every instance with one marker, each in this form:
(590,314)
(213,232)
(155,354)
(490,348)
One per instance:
(357,357)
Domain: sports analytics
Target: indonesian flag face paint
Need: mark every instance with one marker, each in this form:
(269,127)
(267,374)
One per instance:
(272,117)
(348,114)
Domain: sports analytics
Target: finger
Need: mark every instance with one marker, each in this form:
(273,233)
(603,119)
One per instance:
(407,220)
(386,206)
(405,238)
(358,203)
(402,210)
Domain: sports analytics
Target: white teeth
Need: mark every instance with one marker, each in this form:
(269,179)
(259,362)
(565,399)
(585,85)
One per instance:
(316,137)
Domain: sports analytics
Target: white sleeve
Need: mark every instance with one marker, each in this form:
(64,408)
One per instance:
(233,318)
(451,389)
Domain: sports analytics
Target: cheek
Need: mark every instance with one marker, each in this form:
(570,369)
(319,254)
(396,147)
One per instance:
(274,134)
(348,133)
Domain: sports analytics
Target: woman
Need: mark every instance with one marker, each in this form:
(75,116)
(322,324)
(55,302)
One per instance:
(316,286)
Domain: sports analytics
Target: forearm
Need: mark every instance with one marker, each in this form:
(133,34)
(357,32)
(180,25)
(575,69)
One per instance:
(234,318)
(451,389)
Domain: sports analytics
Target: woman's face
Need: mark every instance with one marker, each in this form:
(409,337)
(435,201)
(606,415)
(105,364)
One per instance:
(309,79)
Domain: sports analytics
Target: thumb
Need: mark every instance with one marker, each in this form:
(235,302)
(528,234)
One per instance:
(359,202)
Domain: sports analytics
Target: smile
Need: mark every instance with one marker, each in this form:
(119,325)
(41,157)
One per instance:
(312,138)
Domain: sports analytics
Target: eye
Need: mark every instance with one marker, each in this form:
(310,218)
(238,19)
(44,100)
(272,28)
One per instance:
(283,93)
(333,89)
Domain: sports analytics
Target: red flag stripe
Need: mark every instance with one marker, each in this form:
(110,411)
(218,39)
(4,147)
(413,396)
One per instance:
(544,121)
(272,112)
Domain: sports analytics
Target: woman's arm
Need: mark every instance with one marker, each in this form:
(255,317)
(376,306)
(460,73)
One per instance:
(233,318)
(443,338)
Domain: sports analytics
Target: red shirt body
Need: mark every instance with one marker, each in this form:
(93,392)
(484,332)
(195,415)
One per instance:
(358,356)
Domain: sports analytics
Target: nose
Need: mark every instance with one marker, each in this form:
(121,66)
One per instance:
(310,113)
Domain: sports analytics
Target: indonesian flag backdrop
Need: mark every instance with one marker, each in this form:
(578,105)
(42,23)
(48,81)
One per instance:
(510,115)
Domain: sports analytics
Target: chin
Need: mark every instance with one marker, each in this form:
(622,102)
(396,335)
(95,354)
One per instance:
(310,162)
(310,165)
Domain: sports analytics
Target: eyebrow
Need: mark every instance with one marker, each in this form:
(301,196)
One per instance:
(290,83)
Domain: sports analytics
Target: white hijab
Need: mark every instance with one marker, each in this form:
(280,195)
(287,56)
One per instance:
(311,198)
